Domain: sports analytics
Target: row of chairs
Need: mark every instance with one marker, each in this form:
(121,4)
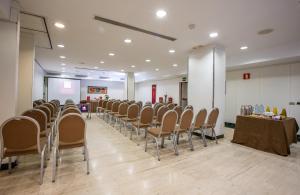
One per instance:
(40,129)
(159,121)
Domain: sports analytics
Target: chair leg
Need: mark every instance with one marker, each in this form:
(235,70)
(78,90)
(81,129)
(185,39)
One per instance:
(42,165)
(9,165)
(157,149)
(54,164)
(203,137)
(175,143)
(215,135)
(86,156)
(190,140)
(162,145)
(146,141)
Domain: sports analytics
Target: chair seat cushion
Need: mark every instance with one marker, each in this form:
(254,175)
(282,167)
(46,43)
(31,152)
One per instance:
(156,131)
(129,119)
(141,125)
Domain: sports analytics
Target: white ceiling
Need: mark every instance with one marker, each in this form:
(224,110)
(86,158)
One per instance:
(237,22)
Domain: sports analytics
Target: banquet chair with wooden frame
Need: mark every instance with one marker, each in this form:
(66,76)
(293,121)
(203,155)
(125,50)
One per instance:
(71,134)
(21,136)
(41,117)
(199,124)
(166,129)
(160,113)
(99,107)
(144,122)
(211,122)
(132,116)
(122,113)
(184,126)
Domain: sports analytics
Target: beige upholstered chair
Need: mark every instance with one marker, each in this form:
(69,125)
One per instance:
(99,108)
(156,107)
(171,106)
(166,129)
(71,134)
(108,110)
(140,104)
(70,110)
(122,112)
(21,136)
(48,113)
(212,121)
(148,104)
(178,109)
(160,113)
(184,126)
(56,109)
(199,124)
(144,122)
(51,108)
(132,115)
(114,110)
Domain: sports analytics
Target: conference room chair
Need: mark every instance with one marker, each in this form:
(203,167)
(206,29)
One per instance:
(107,110)
(70,110)
(122,112)
(160,113)
(140,104)
(171,106)
(148,104)
(166,129)
(144,121)
(131,102)
(156,107)
(21,136)
(184,126)
(132,116)
(179,111)
(103,107)
(48,113)
(56,108)
(41,117)
(198,125)
(52,110)
(114,111)
(71,134)
(211,122)
(99,107)
(189,107)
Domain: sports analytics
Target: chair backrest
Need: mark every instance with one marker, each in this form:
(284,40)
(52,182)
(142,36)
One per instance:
(71,129)
(19,135)
(178,109)
(70,110)
(171,106)
(169,121)
(156,108)
(140,104)
(186,119)
(46,110)
(109,105)
(51,107)
(200,118)
(69,106)
(104,104)
(146,115)
(123,108)
(115,106)
(54,106)
(148,104)
(213,117)
(160,113)
(189,107)
(100,103)
(133,111)
(38,115)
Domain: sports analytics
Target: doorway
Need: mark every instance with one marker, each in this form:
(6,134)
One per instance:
(183,99)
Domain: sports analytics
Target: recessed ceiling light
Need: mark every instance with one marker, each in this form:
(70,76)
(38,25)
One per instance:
(111,54)
(161,13)
(63,64)
(60,45)
(147,60)
(122,70)
(62,57)
(243,47)
(156,69)
(175,65)
(59,25)
(132,66)
(172,51)
(102,62)
(127,40)
(213,35)
(96,67)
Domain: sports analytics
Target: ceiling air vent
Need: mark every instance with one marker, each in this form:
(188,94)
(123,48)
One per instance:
(53,74)
(101,77)
(81,76)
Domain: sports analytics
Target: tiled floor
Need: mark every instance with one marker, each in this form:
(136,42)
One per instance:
(120,166)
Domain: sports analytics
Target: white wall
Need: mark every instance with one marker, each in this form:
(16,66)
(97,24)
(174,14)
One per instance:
(275,85)
(38,82)
(143,90)
(9,52)
(115,89)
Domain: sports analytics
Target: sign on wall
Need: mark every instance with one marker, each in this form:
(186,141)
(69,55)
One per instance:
(97,90)
(246,76)
(153,94)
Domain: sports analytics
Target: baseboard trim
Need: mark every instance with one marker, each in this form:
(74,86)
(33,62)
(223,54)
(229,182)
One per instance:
(208,136)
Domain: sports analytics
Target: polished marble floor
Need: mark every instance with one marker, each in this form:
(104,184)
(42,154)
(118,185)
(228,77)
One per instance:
(120,166)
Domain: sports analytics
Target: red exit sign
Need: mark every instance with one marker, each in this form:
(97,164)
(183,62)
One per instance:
(246,76)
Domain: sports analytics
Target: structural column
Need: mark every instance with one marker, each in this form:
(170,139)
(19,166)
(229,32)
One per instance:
(206,81)
(129,92)
(9,53)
